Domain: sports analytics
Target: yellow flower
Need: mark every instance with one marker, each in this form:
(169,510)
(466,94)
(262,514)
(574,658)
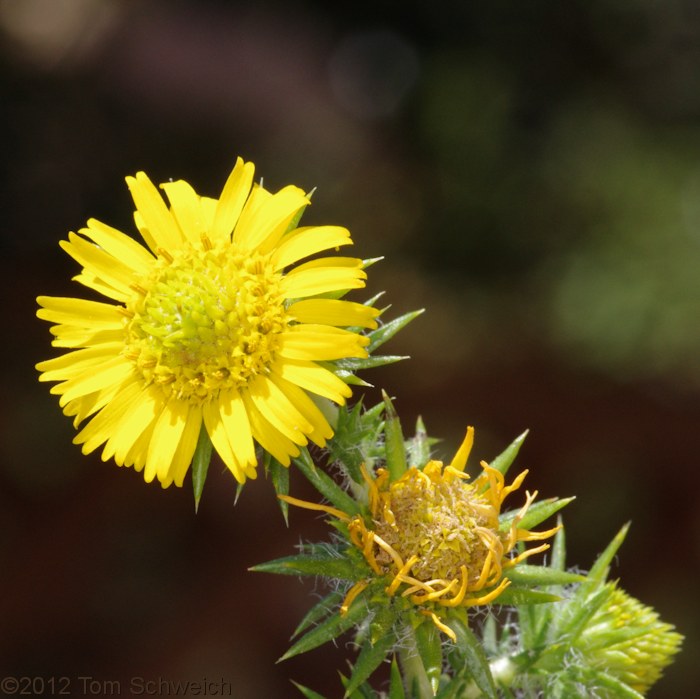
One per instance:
(212,324)
(437,537)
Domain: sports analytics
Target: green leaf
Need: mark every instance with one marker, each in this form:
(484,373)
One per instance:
(200,464)
(353,365)
(541,575)
(308,693)
(522,595)
(419,446)
(504,460)
(370,658)
(329,629)
(619,688)
(328,566)
(429,646)
(326,485)
(393,444)
(475,661)
(294,223)
(351,379)
(279,475)
(395,682)
(325,607)
(579,610)
(600,569)
(536,514)
(385,332)
(356,437)
(489,635)
(559,548)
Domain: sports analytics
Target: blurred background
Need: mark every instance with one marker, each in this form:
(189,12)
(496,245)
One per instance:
(531,173)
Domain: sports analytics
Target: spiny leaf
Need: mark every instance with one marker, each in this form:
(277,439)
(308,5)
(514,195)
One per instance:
(308,693)
(559,548)
(329,604)
(535,515)
(302,564)
(394,444)
(279,475)
(395,682)
(370,657)
(326,485)
(369,362)
(200,464)
(522,595)
(541,575)
(475,662)
(328,630)
(385,332)
(504,460)
(356,437)
(601,567)
(429,646)
(579,610)
(419,446)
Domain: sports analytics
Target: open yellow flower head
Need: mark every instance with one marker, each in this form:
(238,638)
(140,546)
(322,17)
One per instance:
(437,535)
(213,323)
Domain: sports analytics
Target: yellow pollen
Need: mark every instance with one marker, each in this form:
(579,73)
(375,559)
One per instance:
(205,320)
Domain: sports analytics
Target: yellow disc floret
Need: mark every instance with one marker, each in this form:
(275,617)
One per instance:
(206,320)
(440,519)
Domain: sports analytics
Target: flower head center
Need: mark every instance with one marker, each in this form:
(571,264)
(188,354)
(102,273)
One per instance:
(206,320)
(440,519)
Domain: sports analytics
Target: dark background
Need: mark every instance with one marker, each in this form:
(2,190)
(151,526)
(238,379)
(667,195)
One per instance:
(531,171)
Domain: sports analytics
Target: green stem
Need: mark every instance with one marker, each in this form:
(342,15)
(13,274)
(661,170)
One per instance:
(415,678)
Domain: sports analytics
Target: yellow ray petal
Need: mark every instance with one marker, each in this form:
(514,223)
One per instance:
(71,363)
(69,336)
(100,263)
(100,428)
(156,216)
(79,313)
(219,438)
(230,204)
(320,280)
(320,343)
(300,399)
(110,372)
(276,408)
(269,438)
(185,449)
(167,432)
(144,411)
(184,204)
(266,217)
(101,287)
(119,245)
(334,312)
(314,378)
(208,208)
(145,233)
(85,406)
(237,425)
(307,241)
(136,457)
